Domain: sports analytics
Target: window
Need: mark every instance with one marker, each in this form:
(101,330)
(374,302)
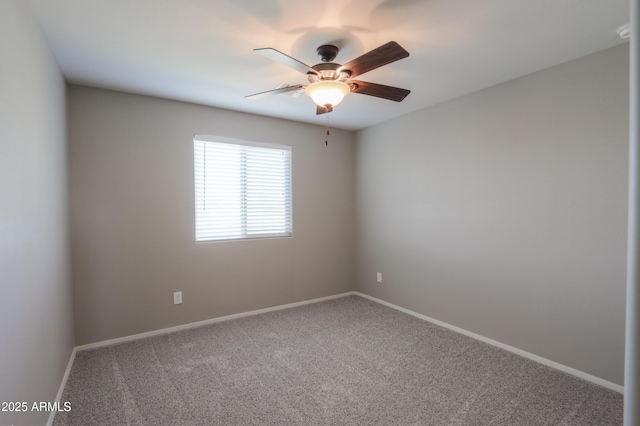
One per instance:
(242,189)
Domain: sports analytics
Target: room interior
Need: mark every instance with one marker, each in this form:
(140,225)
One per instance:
(492,200)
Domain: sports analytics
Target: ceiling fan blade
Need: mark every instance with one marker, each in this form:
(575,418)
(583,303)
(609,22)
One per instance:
(376,58)
(276,55)
(275,92)
(379,90)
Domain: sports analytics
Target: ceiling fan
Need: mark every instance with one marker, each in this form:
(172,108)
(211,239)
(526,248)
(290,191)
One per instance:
(330,82)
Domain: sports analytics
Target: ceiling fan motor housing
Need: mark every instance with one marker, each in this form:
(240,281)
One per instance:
(327,71)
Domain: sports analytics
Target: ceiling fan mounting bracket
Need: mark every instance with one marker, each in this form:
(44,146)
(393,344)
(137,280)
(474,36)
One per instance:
(327,52)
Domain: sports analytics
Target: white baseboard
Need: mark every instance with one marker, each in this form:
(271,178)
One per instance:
(529,355)
(205,322)
(72,357)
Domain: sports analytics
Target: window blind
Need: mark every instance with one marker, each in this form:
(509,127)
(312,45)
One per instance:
(242,189)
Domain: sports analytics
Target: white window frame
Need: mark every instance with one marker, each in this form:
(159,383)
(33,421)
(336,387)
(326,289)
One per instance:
(241,196)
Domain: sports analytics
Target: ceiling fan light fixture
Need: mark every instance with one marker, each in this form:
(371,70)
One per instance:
(327,92)
(329,82)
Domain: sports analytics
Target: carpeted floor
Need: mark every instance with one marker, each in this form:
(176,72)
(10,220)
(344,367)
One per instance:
(347,361)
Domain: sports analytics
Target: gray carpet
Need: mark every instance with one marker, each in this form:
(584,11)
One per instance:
(347,361)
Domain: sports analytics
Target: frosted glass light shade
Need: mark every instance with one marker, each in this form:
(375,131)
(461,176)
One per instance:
(327,92)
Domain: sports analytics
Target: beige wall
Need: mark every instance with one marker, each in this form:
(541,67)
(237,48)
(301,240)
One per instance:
(504,212)
(36,328)
(132,217)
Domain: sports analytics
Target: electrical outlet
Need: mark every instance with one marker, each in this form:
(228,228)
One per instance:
(177,297)
(379,277)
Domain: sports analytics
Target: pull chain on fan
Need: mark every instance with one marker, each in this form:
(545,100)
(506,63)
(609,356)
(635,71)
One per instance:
(326,127)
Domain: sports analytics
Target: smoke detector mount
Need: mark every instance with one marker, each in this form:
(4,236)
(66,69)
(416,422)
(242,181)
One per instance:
(624,31)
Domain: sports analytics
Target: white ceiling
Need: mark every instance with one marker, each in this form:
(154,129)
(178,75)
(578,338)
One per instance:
(201,50)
